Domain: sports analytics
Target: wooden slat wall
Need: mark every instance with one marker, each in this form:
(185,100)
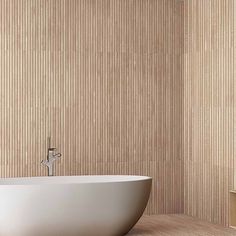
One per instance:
(209,107)
(104,79)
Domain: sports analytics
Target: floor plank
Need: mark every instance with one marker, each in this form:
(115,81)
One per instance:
(178,225)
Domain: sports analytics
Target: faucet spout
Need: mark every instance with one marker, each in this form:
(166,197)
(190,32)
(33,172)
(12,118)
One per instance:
(44,162)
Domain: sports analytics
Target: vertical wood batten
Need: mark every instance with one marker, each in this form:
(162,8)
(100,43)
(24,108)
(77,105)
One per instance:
(209,125)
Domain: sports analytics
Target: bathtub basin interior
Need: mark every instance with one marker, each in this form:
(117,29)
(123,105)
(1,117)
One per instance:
(107,205)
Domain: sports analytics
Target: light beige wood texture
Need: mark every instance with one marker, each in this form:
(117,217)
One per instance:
(209,107)
(178,225)
(232,220)
(104,79)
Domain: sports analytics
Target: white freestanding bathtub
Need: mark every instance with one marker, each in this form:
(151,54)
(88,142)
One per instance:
(72,205)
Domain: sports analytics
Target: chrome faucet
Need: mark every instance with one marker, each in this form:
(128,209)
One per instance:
(52,156)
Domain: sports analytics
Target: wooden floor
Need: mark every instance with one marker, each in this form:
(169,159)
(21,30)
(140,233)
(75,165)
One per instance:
(178,225)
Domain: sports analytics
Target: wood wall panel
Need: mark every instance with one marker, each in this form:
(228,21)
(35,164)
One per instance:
(104,79)
(209,107)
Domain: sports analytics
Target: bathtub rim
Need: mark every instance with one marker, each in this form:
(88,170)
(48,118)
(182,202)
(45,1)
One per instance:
(72,179)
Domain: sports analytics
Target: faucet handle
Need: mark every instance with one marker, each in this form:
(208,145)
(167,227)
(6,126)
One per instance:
(57,156)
